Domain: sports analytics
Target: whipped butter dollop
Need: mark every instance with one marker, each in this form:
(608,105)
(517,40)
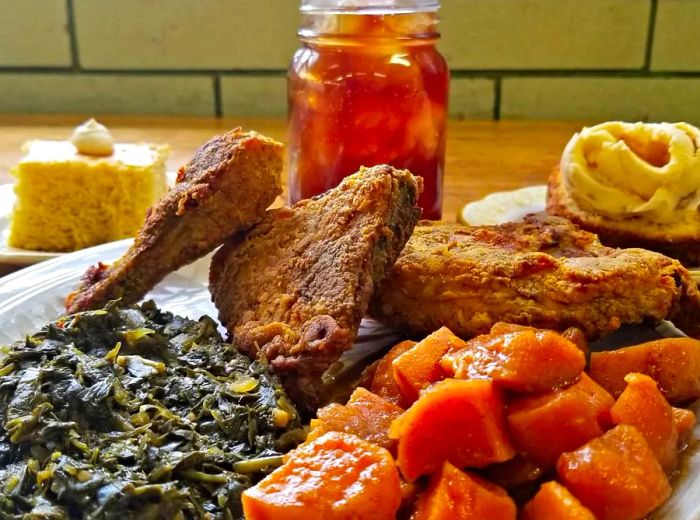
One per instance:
(92,138)
(620,169)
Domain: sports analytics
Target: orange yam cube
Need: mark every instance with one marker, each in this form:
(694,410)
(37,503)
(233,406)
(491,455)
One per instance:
(524,361)
(544,426)
(337,476)
(616,476)
(454,420)
(419,366)
(577,337)
(501,327)
(554,502)
(684,421)
(674,363)
(383,383)
(366,415)
(573,334)
(600,398)
(641,405)
(458,495)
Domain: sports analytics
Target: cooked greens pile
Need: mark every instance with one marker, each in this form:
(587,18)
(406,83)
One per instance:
(135,413)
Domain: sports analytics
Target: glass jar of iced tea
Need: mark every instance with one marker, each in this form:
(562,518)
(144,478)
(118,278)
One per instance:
(367,87)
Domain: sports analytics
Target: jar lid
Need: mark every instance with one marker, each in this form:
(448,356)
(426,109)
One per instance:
(374,6)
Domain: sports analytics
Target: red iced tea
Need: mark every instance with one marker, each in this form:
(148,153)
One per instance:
(367,89)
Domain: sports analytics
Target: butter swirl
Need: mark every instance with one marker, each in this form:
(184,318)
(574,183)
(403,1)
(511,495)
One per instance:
(92,138)
(620,169)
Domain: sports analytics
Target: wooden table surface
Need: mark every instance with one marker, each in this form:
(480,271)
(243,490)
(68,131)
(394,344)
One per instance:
(482,157)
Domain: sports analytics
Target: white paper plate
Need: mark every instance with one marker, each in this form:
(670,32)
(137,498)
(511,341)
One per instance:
(504,206)
(14,255)
(33,296)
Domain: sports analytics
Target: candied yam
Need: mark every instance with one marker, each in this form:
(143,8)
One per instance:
(454,420)
(599,397)
(577,337)
(419,366)
(524,361)
(460,495)
(544,426)
(573,334)
(674,363)
(338,414)
(616,476)
(367,374)
(502,327)
(554,502)
(336,476)
(642,405)
(366,415)
(383,383)
(684,421)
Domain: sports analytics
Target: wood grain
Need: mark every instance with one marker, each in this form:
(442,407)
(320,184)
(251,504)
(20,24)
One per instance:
(482,157)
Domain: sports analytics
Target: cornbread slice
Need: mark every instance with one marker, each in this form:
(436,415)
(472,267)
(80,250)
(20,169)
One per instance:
(68,201)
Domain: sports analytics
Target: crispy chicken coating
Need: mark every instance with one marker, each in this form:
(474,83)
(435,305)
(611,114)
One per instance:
(544,272)
(224,189)
(294,289)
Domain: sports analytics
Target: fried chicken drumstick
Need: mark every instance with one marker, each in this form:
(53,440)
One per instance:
(224,189)
(544,272)
(294,289)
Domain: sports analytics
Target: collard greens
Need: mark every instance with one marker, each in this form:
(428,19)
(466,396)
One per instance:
(135,413)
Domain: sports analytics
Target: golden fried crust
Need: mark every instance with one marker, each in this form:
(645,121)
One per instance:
(224,189)
(635,231)
(544,272)
(293,290)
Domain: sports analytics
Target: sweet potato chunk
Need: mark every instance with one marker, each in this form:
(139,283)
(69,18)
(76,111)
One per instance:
(674,363)
(366,415)
(457,495)
(382,382)
(501,327)
(554,502)
(544,426)
(641,405)
(599,397)
(577,337)
(616,476)
(336,476)
(419,366)
(684,421)
(454,420)
(524,361)
(573,334)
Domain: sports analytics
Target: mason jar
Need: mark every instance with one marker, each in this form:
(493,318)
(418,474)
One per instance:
(367,87)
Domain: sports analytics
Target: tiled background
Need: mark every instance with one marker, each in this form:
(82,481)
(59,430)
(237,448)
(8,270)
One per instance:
(517,59)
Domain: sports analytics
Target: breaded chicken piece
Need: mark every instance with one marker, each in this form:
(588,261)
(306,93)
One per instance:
(294,289)
(225,188)
(544,272)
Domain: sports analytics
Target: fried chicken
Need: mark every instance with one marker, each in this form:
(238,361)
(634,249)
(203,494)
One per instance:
(294,289)
(544,272)
(224,189)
